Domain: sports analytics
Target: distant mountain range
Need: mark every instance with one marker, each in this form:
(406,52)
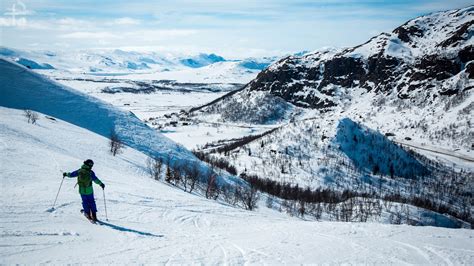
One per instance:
(119,61)
(149,65)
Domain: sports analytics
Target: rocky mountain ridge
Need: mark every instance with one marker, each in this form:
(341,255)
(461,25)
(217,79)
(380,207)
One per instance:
(422,54)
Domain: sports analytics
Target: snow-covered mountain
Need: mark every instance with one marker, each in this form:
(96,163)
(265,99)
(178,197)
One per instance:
(426,58)
(146,65)
(423,59)
(202,60)
(424,68)
(339,113)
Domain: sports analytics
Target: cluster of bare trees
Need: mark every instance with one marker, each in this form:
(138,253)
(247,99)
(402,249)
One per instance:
(270,108)
(191,177)
(349,205)
(405,177)
(31,116)
(220,163)
(234,143)
(116,145)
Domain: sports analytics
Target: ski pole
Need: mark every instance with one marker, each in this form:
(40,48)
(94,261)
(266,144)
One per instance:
(105,205)
(54,204)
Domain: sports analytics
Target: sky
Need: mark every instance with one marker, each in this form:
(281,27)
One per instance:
(231,28)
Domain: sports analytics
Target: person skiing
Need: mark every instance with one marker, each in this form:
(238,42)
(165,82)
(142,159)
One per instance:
(85,176)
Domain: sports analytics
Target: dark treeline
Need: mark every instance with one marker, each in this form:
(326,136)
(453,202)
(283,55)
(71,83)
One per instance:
(288,191)
(220,163)
(236,143)
(425,203)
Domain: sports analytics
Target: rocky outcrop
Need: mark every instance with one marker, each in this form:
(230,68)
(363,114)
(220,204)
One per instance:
(417,55)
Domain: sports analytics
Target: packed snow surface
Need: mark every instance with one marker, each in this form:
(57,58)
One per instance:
(151,222)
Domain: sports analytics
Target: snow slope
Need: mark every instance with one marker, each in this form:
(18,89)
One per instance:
(151,222)
(21,88)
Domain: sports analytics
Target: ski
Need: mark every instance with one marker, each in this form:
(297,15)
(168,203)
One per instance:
(90,220)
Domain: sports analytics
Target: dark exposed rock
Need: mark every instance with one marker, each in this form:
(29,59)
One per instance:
(436,67)
(470,70)
(343,71)
(449,92)
(466,54)
(381,70)
(406,33)
(461,34)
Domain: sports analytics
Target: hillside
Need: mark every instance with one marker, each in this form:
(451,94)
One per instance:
(419,77)
(21,88)
(342,114)
(396,83)
(151,222)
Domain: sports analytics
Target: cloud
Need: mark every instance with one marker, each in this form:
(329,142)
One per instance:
(86,35)
(144,36)
(241,27)
(125,21)
(13,22)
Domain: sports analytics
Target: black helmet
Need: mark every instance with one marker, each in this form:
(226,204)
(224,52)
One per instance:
(89,163)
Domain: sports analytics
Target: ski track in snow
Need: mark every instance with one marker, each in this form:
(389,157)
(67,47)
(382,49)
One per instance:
(152,222)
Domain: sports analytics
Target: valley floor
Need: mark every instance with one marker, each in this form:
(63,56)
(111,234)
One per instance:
(151,222)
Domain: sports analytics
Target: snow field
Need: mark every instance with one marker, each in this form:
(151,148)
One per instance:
(151,222)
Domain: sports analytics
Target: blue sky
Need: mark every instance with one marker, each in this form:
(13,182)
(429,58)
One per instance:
(234,29)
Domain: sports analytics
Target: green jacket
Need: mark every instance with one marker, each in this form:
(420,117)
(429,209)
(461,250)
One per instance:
(85,176)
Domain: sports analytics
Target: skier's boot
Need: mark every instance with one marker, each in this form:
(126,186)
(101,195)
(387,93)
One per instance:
(94,216)
(87,215)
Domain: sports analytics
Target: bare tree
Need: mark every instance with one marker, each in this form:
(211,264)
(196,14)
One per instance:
(302,208)
(228,194)
(31,116)
(396,216)
(154,167)
(237,196)
(250,198)
(211,185)
(185,178)
(169,174)
(177,175)
(270,200)
(116,144)
(193,176)
(318,211)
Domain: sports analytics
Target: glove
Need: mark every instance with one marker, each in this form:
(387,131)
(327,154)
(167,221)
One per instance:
(65,174)
(102,185)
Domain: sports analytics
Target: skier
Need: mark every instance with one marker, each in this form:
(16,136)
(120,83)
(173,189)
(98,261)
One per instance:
(85,176)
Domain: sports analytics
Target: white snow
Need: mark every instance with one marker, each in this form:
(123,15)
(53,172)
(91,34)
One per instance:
(223,72)
(151,222)
(23,89)
(434,28)
(202,68)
